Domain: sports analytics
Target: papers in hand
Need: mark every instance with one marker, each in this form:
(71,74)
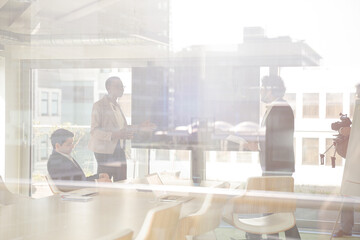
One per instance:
(78,196)
(236,139)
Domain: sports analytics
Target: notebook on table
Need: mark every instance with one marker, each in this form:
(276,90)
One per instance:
(154,179)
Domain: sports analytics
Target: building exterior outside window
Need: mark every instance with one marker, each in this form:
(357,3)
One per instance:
(50,102)
(311,105)
(44,103)
(182,155)
(223,156)
(334,105)
(162,154)
(44,146)
(310,151)
(55,104)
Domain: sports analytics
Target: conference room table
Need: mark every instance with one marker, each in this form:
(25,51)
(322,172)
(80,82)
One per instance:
(110,211)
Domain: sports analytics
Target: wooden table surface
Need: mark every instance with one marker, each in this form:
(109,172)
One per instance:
(109,212)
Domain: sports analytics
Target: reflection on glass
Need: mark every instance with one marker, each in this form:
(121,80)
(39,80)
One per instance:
(191,67)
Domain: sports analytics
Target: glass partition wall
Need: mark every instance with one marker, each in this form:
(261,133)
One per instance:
(177,85)
(193,68)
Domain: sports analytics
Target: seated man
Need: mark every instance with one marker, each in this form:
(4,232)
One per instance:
(62,167)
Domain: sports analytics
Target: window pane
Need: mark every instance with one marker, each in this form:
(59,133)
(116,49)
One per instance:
(54,104)
(105,70)
(310,151)
(333,105)
(223,156)
(44,104)
(55,108)
(244,157)
(162,155)
(55,96)
(44,95)
(310,105)
(126,104)
(44,147)
(182,155)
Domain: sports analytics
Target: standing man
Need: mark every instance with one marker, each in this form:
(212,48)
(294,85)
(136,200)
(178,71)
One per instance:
(109,130)
(276,150)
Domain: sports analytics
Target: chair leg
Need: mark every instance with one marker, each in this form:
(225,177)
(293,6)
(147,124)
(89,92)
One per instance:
(337,220)
(206,236)
(274,236)
(292,233)
(252,236)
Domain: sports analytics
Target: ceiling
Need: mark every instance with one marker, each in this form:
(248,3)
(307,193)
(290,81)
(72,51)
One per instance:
(99,22)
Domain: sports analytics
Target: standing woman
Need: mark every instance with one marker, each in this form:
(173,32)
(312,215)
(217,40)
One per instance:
(109,130)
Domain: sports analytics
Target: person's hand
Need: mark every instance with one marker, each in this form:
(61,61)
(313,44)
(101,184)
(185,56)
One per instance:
(103,177)
(252,146)
(147,126)
(122,134)
(345,131)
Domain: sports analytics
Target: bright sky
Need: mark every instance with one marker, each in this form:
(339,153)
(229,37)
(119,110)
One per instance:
(330,27)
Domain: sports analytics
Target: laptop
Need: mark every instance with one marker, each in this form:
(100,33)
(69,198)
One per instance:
(154,179)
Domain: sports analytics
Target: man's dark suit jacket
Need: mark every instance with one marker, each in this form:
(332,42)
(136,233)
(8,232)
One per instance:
(277,152)
(63,169)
